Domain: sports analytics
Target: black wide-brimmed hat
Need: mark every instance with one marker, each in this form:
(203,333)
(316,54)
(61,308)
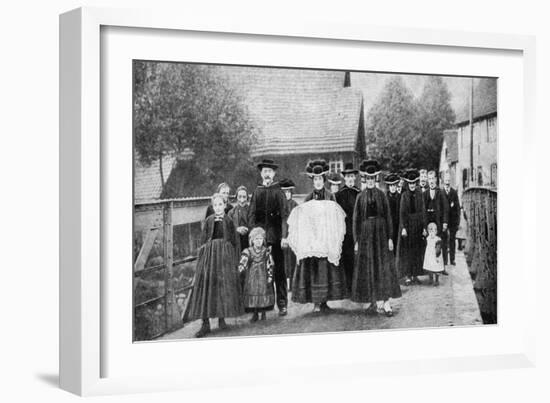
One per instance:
(391,179)
(266,163)
(411,175)
(286,184)
(348,169)
(369,168)
(317,168)
(334,178)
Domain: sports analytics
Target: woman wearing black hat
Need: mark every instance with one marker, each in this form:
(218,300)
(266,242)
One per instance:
(346,198)
(375,277)
(394,198)
(317,280)
(412,230)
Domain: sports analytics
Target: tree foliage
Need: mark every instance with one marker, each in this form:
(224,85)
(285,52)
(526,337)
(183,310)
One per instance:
(188,111)
(392,126)
(435,115)
(408,132)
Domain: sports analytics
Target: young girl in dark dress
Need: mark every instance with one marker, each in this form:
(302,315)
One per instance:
(216,290)
(257,264)
(223,190)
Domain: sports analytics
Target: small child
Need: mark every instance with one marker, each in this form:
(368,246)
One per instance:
(257,263)
(216,289)
(433,260)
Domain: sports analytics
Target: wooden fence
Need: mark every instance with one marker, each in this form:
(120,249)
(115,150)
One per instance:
(480,211)
(166,235)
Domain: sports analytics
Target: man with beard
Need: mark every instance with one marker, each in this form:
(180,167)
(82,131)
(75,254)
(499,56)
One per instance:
(436,206)
(453,206)
(268,210)
(346,197)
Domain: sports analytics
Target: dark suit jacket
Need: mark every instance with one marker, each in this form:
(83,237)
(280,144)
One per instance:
(268,210)
(454,208)
(440,206)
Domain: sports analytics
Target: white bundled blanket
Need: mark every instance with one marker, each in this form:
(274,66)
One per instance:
(316,229)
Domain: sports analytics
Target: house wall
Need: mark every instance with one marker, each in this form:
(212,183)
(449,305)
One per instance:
(485,154)
(446,167)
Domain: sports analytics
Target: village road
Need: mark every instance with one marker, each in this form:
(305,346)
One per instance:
(452,303)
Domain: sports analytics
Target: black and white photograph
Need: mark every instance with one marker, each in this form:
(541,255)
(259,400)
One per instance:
(279,201)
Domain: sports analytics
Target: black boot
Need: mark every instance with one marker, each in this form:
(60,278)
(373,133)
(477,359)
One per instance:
(254,317)
(204,330)
(221,324)
(324,307)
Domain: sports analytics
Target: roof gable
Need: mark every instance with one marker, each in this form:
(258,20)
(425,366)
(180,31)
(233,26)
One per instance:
(485,101)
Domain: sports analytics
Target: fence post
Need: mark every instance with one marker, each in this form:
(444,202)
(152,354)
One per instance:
(169,265)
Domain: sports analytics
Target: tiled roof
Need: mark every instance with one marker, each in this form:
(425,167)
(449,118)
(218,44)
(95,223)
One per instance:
(329,122)
(485,100)
(147,181)
(451,140)
(299,111)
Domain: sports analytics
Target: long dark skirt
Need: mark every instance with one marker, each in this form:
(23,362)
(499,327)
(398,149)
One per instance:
(410,249)
(347,261)
(290,263)
(317,280)
(375,275)
(216,290)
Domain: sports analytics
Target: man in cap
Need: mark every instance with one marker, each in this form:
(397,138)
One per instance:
(346,197)
(268,210)
(453,206)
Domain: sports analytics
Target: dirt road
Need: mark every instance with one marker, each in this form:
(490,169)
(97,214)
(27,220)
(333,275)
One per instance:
(452,303)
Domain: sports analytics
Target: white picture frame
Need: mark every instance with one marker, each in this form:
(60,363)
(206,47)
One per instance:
(83,187)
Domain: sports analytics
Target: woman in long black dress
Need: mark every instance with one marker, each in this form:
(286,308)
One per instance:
(316,279)
(375,278)
(412,230)
(394,198)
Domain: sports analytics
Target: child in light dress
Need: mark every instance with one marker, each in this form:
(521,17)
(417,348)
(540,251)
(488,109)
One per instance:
(433,258)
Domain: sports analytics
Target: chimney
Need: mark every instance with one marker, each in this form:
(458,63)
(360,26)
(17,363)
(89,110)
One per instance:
(347,80)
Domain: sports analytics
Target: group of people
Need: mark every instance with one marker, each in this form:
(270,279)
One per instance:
(347,242)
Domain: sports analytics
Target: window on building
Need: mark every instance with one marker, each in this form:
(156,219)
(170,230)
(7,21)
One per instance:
(465,178)
(494,175)
(480,176)
(336,166)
